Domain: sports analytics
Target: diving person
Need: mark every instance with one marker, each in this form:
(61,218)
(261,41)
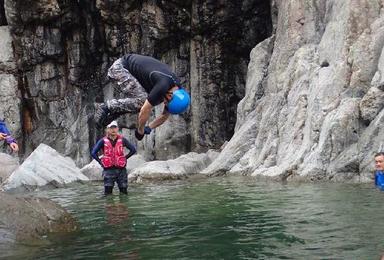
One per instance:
(146,82)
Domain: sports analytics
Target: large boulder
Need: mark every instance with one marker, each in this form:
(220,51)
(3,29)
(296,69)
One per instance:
(8,165)
(27,219)
(45,166)
(182,167)
(94,171)
(134,162)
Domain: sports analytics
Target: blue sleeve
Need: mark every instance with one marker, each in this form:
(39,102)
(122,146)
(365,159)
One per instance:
(379,179)
(96,149)
(3,129)
(131,147)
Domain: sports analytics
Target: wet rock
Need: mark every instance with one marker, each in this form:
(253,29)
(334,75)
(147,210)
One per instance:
(182,167)
(8,165)
(43,167)
(27,219)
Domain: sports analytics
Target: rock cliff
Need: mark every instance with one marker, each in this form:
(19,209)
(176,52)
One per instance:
(62,49)
(313,107)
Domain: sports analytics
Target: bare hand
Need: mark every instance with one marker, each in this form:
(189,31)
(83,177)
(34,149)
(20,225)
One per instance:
(2,136)
(14,147)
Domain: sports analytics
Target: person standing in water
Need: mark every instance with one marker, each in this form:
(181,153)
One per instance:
(5,134)
(146,82)
(113,160)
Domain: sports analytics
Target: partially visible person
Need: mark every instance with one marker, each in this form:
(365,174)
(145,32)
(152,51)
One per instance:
(6,135)
(113,160)
(379,174)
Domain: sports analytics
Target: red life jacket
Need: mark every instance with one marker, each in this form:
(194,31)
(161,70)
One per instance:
(113,156)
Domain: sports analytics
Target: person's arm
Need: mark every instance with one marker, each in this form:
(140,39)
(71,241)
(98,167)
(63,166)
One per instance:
(3,128)
(144,115)
(130,147)
(96,149)
(158,121)
(6,134)
(14,146)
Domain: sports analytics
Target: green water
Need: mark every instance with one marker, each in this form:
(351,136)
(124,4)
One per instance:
(219,218)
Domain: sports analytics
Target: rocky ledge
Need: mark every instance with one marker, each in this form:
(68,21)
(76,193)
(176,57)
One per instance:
(27,219)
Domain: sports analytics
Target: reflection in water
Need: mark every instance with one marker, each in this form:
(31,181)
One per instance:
(221,218)
(117,212)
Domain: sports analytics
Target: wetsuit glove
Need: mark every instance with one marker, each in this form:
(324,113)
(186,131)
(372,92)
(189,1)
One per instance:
(138,135)
(147,130)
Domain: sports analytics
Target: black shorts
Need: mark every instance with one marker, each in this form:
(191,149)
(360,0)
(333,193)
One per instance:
(115,175)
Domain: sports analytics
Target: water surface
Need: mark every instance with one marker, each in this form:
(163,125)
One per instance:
(218,218)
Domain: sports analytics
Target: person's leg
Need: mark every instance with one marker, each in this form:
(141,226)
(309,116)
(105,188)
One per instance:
(122,181)
(119,73)
(101,114)
(125,105)
(130,87)
(108,190)
(123,191)
(109,181)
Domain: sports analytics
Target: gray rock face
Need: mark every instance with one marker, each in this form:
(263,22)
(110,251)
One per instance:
(44,166)
(27,219)
(313,106)
(224,34)
(134,162)
(63,50)
(180,168)
(313,101)
(93,171)
(8,165)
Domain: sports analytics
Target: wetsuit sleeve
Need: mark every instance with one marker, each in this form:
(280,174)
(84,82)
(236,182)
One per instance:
(157,94)
(130,147)
(96,149)
(3,129)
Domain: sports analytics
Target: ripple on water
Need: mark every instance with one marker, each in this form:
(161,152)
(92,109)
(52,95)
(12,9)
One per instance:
(221,218)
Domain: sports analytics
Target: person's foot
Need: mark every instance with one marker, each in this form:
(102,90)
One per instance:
(101,115)
(110,117)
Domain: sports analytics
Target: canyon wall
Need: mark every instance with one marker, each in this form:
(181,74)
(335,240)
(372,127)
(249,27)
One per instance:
(63,48)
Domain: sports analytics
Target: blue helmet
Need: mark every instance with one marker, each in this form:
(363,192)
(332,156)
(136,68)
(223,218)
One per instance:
(179,102)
